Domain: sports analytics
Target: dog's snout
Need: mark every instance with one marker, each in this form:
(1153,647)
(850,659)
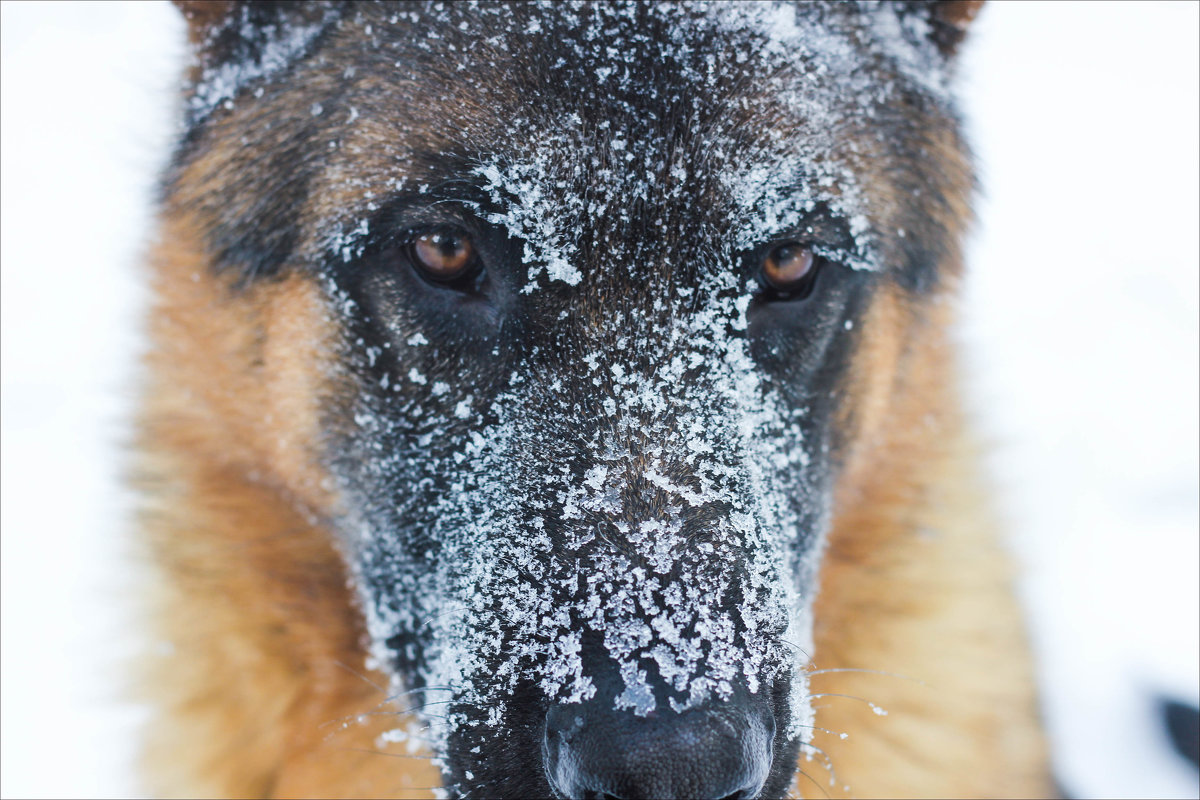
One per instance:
(719,751)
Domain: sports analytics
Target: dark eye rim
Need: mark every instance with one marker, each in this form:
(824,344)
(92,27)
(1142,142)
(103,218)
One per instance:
(801,289)
(467,280)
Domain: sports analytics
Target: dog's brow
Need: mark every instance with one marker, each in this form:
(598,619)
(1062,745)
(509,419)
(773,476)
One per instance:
(437,177)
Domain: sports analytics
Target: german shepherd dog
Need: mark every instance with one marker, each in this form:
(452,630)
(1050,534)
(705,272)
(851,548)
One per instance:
(556,400)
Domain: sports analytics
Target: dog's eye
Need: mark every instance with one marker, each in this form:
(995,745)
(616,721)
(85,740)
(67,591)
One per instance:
(444,255)
(788,270)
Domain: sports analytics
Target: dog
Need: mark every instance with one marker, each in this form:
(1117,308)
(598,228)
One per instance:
(558,400)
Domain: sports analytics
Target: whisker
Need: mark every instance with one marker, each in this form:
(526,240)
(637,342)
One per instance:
(406,692)
(803,652)
(869,672)
(421,707)
(377,709)
(874,707)
(415,736)
(814,783)
(828,762)
(839,734)
(344,722)
(384,713)
(381,753)
(357,674)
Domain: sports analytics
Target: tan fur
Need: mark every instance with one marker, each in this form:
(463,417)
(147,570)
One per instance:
(259,675)
(914,581)
(914,584)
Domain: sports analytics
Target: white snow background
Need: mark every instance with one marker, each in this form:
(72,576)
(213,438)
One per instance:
(1082,324)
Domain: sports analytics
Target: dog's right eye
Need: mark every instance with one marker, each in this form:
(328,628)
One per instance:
(445,255)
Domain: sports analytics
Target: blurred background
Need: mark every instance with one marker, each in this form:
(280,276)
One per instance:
(1082,354)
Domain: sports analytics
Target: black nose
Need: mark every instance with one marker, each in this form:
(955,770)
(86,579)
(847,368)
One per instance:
(594,752)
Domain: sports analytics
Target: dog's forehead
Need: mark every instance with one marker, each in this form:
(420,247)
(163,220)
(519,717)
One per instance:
(736,118)
(629,123)
(642,55)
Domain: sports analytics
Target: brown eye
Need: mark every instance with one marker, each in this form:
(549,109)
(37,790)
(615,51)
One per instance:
(444,255)
(788,267)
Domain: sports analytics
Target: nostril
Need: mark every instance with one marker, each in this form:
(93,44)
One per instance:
(741,794)
(719,752)
(738,795)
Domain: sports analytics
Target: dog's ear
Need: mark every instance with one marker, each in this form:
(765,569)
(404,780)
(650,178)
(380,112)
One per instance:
(204,16)
(238,30)
(236,42)
(947,19)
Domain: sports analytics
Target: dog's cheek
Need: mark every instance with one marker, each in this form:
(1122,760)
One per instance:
(206,361)
(871,381)
(301,340)
(248,367)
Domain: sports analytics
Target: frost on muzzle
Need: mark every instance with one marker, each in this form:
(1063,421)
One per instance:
(628,520)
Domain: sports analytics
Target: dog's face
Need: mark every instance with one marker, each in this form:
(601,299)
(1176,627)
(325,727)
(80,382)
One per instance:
(605,284)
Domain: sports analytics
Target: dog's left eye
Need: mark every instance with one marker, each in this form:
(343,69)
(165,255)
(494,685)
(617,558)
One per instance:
(788,270)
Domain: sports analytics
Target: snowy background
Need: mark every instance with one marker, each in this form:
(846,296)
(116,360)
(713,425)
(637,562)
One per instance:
(1082,328)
